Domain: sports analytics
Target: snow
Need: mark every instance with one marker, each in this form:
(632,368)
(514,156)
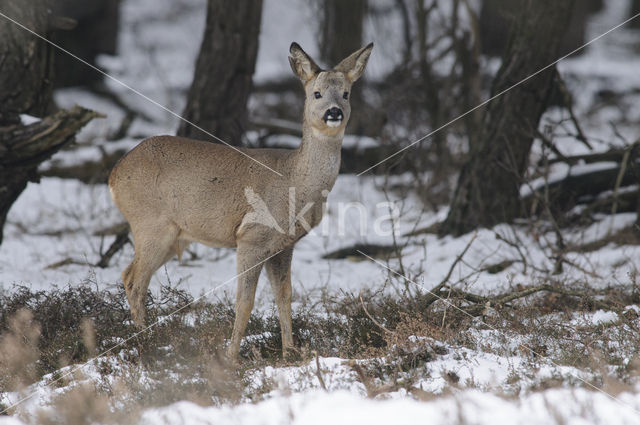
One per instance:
(472,406)
(57,219)
(28,119)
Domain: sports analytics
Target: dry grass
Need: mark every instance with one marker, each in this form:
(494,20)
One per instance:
(180,359)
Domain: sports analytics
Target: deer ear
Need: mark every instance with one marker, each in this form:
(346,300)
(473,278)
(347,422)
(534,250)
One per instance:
(353,66)
(301,63)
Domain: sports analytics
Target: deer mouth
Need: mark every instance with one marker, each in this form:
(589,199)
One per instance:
(333,122)
(333,117)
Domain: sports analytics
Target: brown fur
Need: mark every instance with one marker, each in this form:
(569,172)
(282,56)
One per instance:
(174,191)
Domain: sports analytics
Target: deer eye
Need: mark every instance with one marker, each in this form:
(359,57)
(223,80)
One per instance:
(317,94)
(345,95)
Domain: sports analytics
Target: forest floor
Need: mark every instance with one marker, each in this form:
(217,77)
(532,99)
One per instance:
(518,330)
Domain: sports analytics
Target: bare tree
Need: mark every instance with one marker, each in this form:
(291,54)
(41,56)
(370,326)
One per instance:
(488,187)
(217,100)
(26,79)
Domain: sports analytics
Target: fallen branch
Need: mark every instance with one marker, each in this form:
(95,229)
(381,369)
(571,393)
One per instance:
(66,262)
(480,303)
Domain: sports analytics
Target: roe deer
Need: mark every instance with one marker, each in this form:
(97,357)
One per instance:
(174,191)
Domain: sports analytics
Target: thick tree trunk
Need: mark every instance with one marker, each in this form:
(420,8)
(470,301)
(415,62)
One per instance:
(635,9)
(341,31)
(340,35)
(488,187)
(26,79)
(26,63)
(96,32)
(496,16)
(217,100)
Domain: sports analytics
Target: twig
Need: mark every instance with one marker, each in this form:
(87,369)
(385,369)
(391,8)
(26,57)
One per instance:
(375,322)
(616,188)
(319,372)
(548,143)
(444,314)
(567,103)
(431,298)
(372,389)
(121,240)
(480,302)
(516,246)
(66,262)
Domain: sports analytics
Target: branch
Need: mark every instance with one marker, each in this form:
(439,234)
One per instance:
(479,303)
(432,296)
(319,372)
(375,322)
(372,389)
(29,145)
(567,103)
(121,240)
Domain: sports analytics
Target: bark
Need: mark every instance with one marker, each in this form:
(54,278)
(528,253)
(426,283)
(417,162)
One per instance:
(488,187)
(95,32)
(635,9)
(217,99)
(496,16)
(26,62)
(23,148)
(340,35)
(341,32)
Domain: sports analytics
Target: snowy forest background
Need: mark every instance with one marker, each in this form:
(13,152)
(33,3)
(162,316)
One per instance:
(486,273)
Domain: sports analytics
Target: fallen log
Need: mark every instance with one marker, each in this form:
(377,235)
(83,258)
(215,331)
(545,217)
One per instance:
(583,188)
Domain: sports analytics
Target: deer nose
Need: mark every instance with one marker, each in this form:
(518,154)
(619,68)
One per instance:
(333,114)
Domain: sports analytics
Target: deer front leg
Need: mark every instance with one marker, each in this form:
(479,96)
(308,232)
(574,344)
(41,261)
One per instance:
(279,273)
(249,265)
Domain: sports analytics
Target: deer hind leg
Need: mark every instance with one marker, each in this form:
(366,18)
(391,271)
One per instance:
(249,266)
(279,273)
(153,247)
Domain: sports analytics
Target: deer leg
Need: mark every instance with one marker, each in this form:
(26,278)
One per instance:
(279,272)
(249,265)
(153,248)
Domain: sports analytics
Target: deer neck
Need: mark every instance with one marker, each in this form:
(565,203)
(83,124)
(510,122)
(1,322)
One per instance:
(317,159)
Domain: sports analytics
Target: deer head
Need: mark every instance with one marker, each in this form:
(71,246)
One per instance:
(327,93)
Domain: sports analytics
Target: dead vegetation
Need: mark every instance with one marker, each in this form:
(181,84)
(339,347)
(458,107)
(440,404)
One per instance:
(392,341)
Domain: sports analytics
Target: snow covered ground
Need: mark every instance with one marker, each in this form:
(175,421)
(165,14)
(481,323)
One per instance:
(57,220)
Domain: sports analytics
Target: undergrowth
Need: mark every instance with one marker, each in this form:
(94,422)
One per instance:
(180,356)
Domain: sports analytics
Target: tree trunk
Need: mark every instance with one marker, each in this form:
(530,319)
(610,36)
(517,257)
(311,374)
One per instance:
(23,148)
(26,79)
(26,62)
(96,32)
(489,184)
(341,32)
(496,15)
(217,100)
(340,35)
(635,9)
